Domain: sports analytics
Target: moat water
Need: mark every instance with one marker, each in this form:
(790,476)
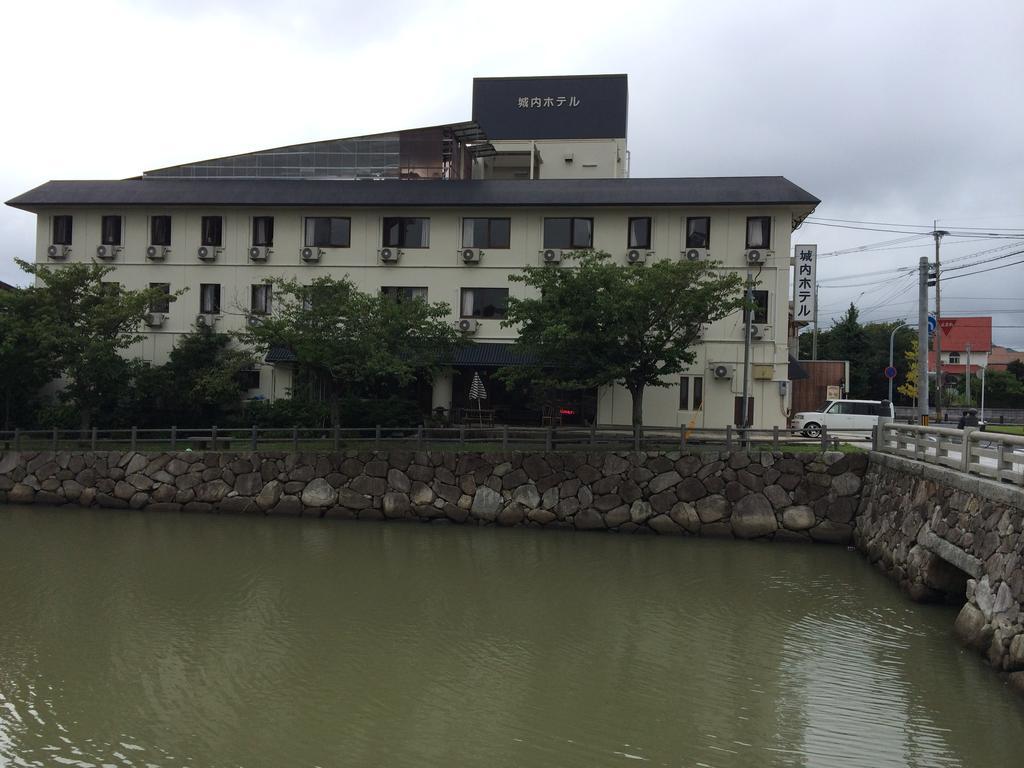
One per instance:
(134,639)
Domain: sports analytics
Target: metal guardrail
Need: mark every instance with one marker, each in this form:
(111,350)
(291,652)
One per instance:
(465,437)
(988,454)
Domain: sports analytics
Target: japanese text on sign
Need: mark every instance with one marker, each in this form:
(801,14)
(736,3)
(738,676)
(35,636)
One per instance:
(804,276)
(535,102)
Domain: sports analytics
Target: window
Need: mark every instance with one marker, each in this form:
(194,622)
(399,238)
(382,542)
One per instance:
(568,233)
(328,232)
(209,298)
(261,299)
(61,230)
(403,293)
(865,409)
(163,303)
(685,399)
(760,307)
(110,230)
(263,231)
(486,233)
(249,378)
(484,302)
(160,230)
(213,231)
(759,231)
(954,358)
(406,233)
(698,232)
(640,232)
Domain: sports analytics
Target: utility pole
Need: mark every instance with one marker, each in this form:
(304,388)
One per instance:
(968,377)
(922,343)
(746,351)
(814,335)
(937,234)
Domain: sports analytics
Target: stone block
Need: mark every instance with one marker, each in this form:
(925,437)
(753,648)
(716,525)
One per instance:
(487,504)
(753,516)
(798,518)
(711,509)
(319,493)
(588,520)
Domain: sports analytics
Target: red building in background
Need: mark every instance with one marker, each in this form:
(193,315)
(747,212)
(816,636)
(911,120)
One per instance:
(965,341)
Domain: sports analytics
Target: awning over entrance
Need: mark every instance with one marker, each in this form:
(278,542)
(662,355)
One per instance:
(486,354)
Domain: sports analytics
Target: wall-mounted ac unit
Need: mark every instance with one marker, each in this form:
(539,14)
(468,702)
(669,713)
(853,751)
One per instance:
(696,254)
(757,255)
(207,252)
(58,251)
(253,320)
(157,252)
(722,370)
(154,319)
(389,255)
(636,256)
(259,253)
(206,320)
(107,251)
(311,254)
(468,325)
(551,256)
(758,331)
(471,255)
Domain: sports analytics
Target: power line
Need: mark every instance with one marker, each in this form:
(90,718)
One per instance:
(991,269)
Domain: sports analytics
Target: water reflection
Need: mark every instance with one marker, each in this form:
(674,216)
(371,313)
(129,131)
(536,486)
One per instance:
(134,639)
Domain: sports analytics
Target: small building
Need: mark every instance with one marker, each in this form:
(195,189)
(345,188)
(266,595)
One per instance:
(966,344)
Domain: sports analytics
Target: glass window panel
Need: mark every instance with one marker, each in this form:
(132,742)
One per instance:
(261,299)
(558,233)
(212,230)
(698,232)
(404,293)
(484,302)
(500,234)
(759,232)
(582,233)
(340,229)
(160,230)
(209,298)
(417,233)
(161,304)
(684,393)
(263,231)
(110,230)
(761,311)
(640,232)
(392,235)
(62,230)
(698,392)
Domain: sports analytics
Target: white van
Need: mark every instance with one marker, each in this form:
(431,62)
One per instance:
(840,415)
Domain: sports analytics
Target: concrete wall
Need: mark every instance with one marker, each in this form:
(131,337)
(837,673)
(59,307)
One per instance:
(440,269)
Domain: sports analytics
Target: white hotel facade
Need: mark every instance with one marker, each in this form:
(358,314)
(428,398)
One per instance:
(448,213)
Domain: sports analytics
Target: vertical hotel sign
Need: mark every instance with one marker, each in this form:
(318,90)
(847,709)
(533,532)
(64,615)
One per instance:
(804,277)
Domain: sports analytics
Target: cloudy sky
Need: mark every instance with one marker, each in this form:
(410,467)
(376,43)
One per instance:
(893,113)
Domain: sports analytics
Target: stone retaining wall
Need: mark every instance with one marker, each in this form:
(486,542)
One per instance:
(941,533)
(783,496)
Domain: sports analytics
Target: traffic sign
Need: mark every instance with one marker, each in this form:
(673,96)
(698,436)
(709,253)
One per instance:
(947,325)
(932,323)
(890,372)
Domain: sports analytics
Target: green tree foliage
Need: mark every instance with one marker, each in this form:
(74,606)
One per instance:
(597,322)
(354,343)
(1017,369)
(87,323)
(29,350)
(909,386)
(1002,390)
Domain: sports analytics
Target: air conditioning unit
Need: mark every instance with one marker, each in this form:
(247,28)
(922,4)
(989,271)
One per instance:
(471,255)
(107,251)
(259,253)
(154,319)
(311,254)
(760,331)
(468,325)
(254,320)
(551,256)
(696,254)
(207,252)
(634,256)
(157,252)
(722,370)
(58,251)
(206,320)
(389,255)
(758,256)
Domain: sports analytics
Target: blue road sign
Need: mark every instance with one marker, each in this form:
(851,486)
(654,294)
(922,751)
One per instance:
(932,325)
(890,372)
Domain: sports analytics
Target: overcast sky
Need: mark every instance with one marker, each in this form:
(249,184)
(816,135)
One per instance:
(897,113)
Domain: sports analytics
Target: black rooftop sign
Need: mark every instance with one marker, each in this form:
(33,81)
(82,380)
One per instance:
(585,107)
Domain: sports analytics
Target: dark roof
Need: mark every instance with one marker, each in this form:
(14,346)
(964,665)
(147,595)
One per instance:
(739,190)
(797,371)
(484,354)
(280,355)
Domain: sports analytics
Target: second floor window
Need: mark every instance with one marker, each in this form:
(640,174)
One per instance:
(263,231)
(213,231)
(403,293)
(406,233)
(954,358)
(568,234)
(162,303)
(110,230)
(760,308)
(62,230)
(160,230)
(640,232)
(484,302)
(209,298)
(328,232)
(759,232)
(261,299)
(486,233)
(698,232)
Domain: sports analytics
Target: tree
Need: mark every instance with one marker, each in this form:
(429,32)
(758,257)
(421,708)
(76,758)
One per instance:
(599,322)
(88,323)
(354,342)
(1017,369)
(29,349)
(909,385)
